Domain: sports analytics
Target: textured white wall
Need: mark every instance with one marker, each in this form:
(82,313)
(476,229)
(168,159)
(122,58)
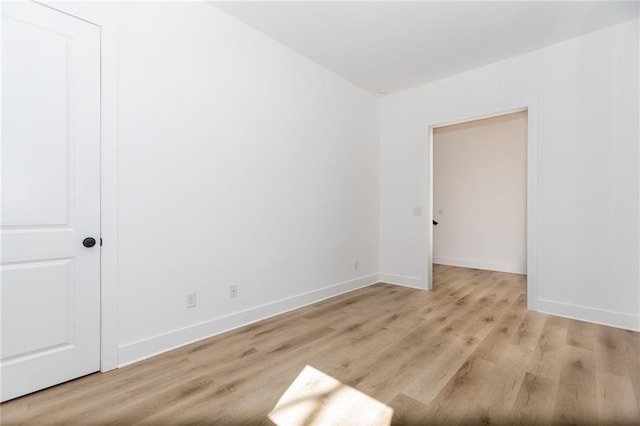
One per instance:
(480,194)
(588,184)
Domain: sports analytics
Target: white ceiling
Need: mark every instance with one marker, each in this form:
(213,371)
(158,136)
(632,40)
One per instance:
(395,45)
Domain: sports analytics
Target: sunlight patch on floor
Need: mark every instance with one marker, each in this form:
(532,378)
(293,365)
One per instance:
(315,398)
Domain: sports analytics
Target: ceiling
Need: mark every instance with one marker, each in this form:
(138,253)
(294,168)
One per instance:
(389,46)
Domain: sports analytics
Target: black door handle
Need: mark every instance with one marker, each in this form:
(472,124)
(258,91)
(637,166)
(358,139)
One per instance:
(89,242)
(435,223)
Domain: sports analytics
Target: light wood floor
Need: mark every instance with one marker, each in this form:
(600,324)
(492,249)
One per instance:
(467,352)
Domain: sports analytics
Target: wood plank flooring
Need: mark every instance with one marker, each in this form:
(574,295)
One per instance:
(467,352)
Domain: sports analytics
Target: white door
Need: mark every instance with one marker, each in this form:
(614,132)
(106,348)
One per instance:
(50,282)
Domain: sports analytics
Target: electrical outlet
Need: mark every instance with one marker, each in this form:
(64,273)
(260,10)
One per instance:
(233,290)
(192,300)
(355,265)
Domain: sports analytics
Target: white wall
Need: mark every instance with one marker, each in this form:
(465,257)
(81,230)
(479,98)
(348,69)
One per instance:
(480,194)
(239,162)
(588,185)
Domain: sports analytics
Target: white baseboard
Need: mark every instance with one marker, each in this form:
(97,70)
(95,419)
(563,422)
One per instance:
(404,281)
(137,351)
(130,353)
(478,264)
(583,313)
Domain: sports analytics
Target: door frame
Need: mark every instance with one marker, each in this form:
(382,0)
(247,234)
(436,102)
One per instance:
(108,171)
(531,106)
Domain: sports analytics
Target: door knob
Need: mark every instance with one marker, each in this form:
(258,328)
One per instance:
(89,242)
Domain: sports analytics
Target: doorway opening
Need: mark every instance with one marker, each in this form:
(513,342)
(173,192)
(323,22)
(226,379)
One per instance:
(483,194)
